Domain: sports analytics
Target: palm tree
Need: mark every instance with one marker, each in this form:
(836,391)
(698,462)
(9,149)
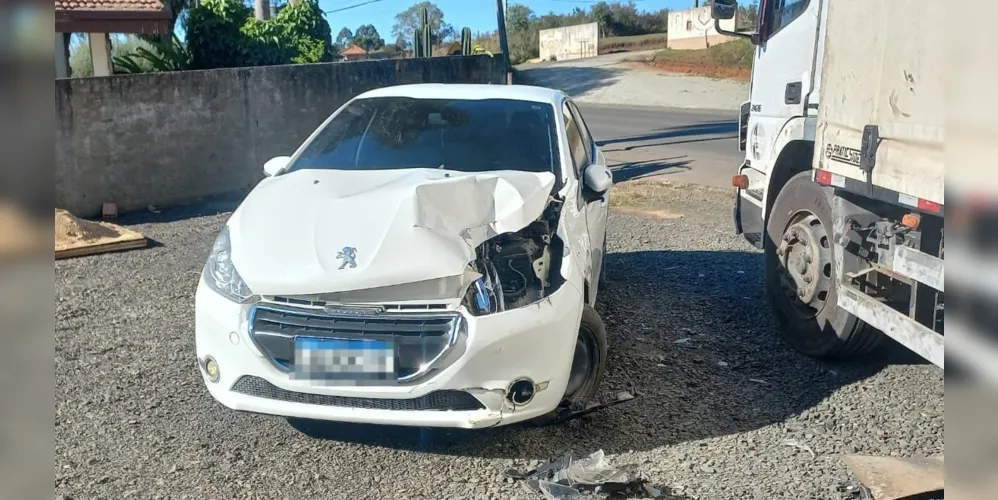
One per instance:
(261,9)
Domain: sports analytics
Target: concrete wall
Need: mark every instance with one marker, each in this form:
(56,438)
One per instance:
(569,42)
(165,138)
(694,29)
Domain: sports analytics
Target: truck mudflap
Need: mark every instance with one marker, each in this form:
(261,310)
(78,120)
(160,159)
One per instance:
(747,219)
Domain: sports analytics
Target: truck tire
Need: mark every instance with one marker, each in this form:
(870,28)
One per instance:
(800,275)
(588,366)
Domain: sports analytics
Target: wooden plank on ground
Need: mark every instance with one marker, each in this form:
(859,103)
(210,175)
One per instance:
(102,247)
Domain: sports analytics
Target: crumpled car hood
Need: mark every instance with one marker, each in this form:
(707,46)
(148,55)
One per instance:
(290,235)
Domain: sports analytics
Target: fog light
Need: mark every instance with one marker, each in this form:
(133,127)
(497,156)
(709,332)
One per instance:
(211,369)
(521,392)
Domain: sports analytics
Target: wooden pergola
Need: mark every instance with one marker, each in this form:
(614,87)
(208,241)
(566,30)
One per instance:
(98,18)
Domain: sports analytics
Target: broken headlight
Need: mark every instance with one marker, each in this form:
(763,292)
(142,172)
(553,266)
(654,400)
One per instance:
(220,274)
(514,269)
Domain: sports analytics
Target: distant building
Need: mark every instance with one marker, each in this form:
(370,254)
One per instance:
(353,53)
(569,42)
(694,29)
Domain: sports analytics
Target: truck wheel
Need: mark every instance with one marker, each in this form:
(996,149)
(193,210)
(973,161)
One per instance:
(800,275)
(588,366)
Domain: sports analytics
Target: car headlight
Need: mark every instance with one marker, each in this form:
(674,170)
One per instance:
(219,273)
(483,298)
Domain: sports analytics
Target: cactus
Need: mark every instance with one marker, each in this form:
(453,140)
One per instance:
(417,44)
(421,42)
(466,41)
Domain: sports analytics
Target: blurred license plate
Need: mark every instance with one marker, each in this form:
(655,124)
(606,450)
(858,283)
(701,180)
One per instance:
(335,359)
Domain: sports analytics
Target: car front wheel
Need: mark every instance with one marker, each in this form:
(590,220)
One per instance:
(588,365)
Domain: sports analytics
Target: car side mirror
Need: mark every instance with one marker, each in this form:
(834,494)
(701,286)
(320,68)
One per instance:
(597,179)
(723,9)
(275,165)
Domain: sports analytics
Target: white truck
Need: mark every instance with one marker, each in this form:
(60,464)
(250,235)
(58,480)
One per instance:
(843,179)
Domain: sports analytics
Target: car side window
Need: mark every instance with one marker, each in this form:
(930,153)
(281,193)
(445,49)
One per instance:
(587,137)
(576,144)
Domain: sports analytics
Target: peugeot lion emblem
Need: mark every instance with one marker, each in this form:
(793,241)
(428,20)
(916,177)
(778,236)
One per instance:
(349,257)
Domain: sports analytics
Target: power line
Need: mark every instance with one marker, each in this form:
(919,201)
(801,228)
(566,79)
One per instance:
(354,6)
(589,1)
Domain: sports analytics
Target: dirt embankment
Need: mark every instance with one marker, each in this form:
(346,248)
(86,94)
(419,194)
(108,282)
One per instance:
(730,60)
(707,70)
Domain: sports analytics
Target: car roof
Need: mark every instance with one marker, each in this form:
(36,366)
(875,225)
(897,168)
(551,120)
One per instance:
(468,91)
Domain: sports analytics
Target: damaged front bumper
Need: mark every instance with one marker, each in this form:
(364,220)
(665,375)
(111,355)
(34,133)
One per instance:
(535,342)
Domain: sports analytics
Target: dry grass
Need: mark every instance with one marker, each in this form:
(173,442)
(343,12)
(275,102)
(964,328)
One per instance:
(658,199)
(628,43)
(726,60)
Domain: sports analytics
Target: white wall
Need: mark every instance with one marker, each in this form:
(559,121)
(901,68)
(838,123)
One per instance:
(694,29)
(569,42)
(100,54)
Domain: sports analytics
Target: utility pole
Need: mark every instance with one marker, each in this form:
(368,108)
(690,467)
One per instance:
(503,42)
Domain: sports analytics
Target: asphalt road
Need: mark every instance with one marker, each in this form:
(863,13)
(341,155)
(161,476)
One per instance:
(681,145)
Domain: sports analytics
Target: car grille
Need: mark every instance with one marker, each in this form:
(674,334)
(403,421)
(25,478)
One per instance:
(420,339)
(434,401)
(318,302)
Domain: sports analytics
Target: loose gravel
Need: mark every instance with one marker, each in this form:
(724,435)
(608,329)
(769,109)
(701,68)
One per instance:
(724,409)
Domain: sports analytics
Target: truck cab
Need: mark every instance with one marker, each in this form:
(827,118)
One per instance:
(776,125)
(842,181)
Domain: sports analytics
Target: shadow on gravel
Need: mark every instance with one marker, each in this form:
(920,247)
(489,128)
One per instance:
(571,80)
(639,169)
(207,206)
(697,129)
(691,331)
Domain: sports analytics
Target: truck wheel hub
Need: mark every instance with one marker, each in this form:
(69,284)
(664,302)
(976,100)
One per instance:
(806,259)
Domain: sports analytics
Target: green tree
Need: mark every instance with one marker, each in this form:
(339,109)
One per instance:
(407,21)
(521,33)
(344,37)
(368,38)
(224,34)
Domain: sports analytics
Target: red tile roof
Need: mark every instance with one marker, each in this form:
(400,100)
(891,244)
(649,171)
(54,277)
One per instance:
(112,5)
(111,16)
(352,50)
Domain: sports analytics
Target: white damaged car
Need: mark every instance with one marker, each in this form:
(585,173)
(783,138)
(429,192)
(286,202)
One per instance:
(430,256)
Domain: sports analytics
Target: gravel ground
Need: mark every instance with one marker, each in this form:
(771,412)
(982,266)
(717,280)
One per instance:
(724,409)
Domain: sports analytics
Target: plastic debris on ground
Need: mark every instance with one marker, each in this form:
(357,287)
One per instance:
(563,478)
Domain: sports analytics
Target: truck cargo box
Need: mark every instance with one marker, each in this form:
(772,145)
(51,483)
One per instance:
(883,71)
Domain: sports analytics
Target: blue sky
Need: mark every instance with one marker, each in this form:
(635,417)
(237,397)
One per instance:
(479,15)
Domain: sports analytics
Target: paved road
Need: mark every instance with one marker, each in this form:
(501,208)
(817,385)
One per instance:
(682,145)
(621,79)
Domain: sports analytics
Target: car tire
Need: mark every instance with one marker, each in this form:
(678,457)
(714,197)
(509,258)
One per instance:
(800,275)
(591,343)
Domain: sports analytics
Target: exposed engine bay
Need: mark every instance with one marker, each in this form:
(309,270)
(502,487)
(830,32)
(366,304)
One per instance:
(516,267)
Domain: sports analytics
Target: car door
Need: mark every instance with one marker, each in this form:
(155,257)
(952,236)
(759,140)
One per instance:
(584,153)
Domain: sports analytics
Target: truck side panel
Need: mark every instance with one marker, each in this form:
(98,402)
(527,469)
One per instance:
(890,77)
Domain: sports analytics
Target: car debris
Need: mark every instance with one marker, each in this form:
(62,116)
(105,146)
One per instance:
(563,478)
(564,414)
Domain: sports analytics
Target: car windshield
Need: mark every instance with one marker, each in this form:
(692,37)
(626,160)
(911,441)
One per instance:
(456,134)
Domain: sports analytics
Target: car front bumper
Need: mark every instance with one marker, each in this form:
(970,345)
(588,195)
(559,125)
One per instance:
(534,342)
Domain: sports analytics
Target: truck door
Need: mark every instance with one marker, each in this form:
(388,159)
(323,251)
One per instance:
(782,73)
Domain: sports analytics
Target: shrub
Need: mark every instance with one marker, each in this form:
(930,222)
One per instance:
(224,34)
